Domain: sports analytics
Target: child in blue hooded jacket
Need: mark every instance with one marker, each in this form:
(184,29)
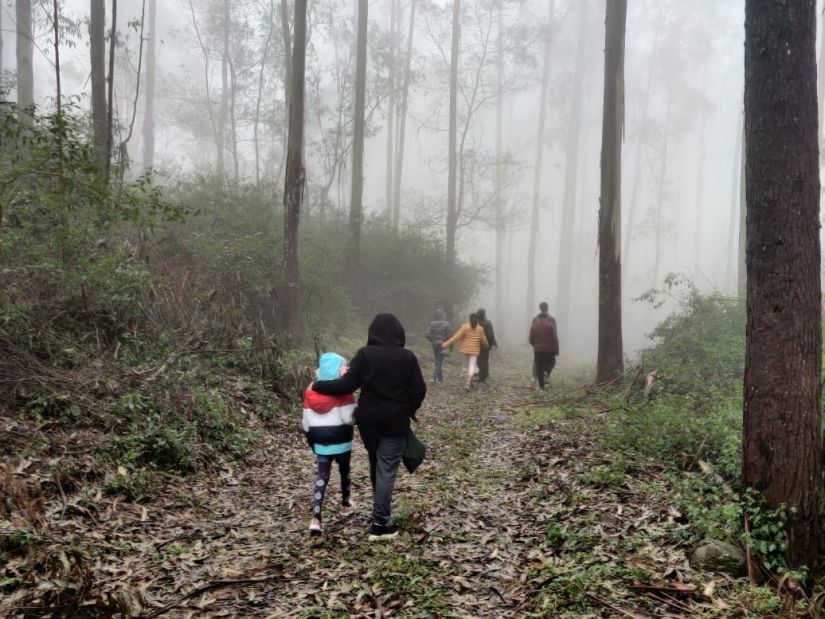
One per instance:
(327,424)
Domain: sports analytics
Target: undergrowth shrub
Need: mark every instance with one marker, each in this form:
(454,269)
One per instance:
(694,411)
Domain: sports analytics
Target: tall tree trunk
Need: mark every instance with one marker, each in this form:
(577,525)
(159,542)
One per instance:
(25,51)
(821,74)
(660,198)
(97,49)
(782,446)
(742,273)
(402,124)
(124,143)
(285,40)
(233,123)
(391,105)
(539,163)
(257,118)
(353,254)
(58,88)
(224,112)
(566,244)
(735,208)
(110,97)
(452,171)
(295,177)
(499,223)
(611,353)
(149,97)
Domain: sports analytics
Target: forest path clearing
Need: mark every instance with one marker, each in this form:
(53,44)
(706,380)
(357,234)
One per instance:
(469,527)
(517,512)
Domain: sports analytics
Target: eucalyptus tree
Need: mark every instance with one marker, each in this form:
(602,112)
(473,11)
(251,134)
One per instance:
(25,53)
(295,174)
(610,362)
(782,443)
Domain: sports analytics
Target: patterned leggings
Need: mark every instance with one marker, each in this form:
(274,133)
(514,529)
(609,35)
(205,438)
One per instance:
(322,480)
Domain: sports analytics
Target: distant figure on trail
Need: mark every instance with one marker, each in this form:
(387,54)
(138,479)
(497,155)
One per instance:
(392,390)
(484,355)
(438,333)
(327,424)
(473,341)
(545,342)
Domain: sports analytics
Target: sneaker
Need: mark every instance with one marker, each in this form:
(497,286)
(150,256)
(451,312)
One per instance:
(348,508)
(380,533)
(315,527)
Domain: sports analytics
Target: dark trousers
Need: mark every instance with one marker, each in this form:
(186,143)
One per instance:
(483,365)
(385,452)
(438,355)
(319,490)
(545,362)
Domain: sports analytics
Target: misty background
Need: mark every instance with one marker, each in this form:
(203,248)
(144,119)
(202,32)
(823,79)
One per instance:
(683,122)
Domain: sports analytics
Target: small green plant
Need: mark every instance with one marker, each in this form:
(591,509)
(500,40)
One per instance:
(131,484)
(18,541)
(767,535)
(604,476)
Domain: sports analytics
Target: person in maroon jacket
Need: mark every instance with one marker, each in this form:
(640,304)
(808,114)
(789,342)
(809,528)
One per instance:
(544,339)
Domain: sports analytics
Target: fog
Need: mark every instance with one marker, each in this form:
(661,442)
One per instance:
(683,106)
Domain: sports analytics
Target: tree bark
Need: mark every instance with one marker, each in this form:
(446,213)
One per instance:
(58,88)
(233,123)
(402,124)
(565,261)
(294,176)
(25,51)
(110,97)
(821,76)
(539,164)
(391,105)
(782,446)
(149,97)
(97,50)
(353,254)
(499,221)
(742,273)
(286,41)
(224,92)
(452,206)
(610,362)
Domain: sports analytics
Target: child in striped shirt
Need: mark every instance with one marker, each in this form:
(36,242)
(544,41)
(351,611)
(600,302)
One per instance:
(327,424)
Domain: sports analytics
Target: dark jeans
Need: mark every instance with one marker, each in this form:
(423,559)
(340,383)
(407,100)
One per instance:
(483,365)
(438,355)
(385,452)
(319,490)
(545,362)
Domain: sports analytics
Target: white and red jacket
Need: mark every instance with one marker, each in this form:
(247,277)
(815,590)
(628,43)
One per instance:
(328,421)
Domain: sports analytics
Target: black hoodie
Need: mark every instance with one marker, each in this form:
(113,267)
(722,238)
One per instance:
(392,385)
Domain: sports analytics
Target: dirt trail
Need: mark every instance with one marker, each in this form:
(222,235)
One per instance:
(517,512)
(468,528)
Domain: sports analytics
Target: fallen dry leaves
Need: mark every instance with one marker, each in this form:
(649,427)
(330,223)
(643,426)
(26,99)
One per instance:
(504,519)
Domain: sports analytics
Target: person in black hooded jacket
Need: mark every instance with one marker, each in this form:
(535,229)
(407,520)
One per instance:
(392,390)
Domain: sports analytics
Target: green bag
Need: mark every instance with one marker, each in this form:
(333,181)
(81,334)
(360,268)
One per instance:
(414,452)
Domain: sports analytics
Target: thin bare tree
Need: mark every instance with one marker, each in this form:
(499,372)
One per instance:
(295,176)
(610,362)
